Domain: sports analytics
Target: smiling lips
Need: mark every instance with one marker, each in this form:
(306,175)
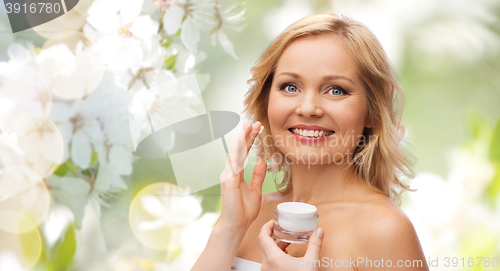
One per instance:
(310,133)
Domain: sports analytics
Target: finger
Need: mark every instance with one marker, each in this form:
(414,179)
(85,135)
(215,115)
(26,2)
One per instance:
(314,245)
(239,151)
(259,174)
(252,135)
(237,155)
(267,244)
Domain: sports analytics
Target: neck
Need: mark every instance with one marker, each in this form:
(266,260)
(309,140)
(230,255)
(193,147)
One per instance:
(317,184)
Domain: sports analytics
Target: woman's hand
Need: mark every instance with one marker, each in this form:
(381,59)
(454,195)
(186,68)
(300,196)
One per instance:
(240,205)
(241,201)
(275,257)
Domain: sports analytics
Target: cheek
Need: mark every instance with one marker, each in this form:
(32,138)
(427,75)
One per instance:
(276,111)
(352,115)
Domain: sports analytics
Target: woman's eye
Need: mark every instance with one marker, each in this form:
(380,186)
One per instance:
(337,91)
(289,88)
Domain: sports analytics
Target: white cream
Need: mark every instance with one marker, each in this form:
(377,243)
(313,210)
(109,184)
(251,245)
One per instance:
(297,216)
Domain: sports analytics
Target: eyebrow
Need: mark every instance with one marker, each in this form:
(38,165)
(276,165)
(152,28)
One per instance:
(325,78)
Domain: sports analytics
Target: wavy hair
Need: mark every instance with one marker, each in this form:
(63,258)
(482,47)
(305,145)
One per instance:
(382,161)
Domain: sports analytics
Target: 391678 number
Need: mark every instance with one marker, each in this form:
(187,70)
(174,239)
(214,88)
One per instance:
(33,8)
(470,262)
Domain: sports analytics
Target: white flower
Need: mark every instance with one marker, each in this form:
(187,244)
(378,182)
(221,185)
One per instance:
(231,18)
(122,30)
(73,192)
(32,95)
(110,104)
(150,70)
(120,53)
(71,76)
(196,14)
(150,6)
(39,142)
(81,123)
(186,63)
(104,17)
(22,192)
(99,120)
(24,106)
(172,101)
(170,209)
(117,162)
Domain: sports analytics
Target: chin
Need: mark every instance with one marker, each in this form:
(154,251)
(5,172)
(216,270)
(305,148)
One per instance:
(313,157)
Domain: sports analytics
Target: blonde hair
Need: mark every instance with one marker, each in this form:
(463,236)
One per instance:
(381,162)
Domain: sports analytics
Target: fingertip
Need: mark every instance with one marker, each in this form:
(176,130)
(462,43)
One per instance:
(261,161)
(256,128)
(320,233)
(246,125)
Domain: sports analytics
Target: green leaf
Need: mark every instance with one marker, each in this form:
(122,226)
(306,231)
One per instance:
(94,157)
(62,170)
(31,244)
(495,144)
(64,250)
(45,262)
(71,165)
(170,62)
(87,172)
(167,42)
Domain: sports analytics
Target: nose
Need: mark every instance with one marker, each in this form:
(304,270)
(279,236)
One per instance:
(310,106)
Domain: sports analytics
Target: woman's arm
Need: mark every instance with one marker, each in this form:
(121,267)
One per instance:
(220,250)
(240,205)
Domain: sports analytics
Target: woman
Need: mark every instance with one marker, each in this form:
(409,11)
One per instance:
(325,93)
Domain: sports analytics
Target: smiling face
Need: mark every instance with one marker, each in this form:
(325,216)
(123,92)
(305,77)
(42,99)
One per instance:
(317,103)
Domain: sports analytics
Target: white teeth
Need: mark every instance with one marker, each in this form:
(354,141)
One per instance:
(311,133)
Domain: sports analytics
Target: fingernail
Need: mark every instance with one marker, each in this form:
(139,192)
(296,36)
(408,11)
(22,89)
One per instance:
(319,233)
(261,129)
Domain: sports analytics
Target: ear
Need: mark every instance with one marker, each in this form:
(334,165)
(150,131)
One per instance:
(368,124)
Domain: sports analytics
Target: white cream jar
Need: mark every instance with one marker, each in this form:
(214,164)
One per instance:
(294,222)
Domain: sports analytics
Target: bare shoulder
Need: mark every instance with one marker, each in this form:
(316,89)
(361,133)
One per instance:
(371,227)
(384,220)
(385,232)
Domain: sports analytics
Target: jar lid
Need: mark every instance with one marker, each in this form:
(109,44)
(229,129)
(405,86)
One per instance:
(297,210)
